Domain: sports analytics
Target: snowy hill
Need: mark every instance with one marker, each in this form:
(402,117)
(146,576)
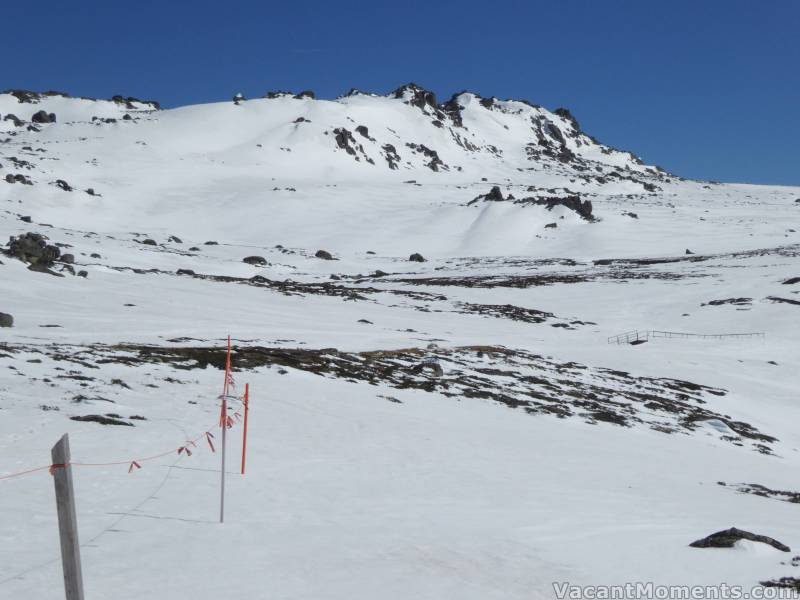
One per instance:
(421,295)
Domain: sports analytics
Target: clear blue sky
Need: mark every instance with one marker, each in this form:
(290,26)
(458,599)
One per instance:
(706,88)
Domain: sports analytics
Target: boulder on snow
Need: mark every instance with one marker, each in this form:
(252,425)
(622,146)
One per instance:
(494,194)
(688,251)
(551,226)
(728,537)
(324,255)
(416,257)
(68,259)
(18,178)
(6,320)
(149,242)
(43,117)
(259,261)
(33,248)
(60,183)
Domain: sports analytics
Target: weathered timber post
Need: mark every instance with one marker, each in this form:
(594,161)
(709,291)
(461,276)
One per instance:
(67,520)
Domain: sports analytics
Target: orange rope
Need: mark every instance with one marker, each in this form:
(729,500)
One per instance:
(135,461)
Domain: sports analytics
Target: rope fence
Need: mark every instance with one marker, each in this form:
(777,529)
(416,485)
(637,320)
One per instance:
(642,336)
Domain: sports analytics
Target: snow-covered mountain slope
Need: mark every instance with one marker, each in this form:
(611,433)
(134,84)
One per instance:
(455,426)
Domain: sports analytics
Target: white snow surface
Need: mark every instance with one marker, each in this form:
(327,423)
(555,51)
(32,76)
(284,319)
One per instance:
(363,489)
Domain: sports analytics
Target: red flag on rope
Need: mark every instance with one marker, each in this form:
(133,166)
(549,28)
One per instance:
(134,465)
(209,437)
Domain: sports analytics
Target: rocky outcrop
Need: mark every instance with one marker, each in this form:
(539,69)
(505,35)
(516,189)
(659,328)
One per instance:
(29,97)
(32,248)
(416,257)
(572,202)
(729,537)
(6,320)
(324,255)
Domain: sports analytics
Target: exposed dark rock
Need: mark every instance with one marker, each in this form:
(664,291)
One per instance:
(574,203)
(551,226)
(149,242)
(494,195)
(83,274)
(25,219)
(324,255)
(130,100)
(174,239)
(60,183)
(791,583)
(435,161)
(688,251)
(345,141)
(255,260)
(453,110)
(211,243)
(791,281)
(91,192)
(734,301)
(417,96)
(14,119)
(392,157)
(68,259)
(565,114)
(632,215)
(416,257)
(29,97)
(364,132)
(6,320)
(728,537)
(18,178)
(43,268)
(783,300)
(95,255)
(33,248)
(757,489)
(238,99)
(305,94)
(43,117)
(102,419)
(185,272)
(650,187)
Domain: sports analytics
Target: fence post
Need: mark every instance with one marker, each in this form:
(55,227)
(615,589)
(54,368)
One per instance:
(67,520)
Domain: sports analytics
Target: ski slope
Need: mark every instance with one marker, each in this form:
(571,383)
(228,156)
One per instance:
(539,453)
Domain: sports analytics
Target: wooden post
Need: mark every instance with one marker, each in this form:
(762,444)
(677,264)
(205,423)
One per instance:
(67,520)
(246,412)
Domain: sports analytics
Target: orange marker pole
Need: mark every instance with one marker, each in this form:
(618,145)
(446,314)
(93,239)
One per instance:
(246,412)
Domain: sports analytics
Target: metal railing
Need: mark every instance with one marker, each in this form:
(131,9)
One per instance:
(642,336)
